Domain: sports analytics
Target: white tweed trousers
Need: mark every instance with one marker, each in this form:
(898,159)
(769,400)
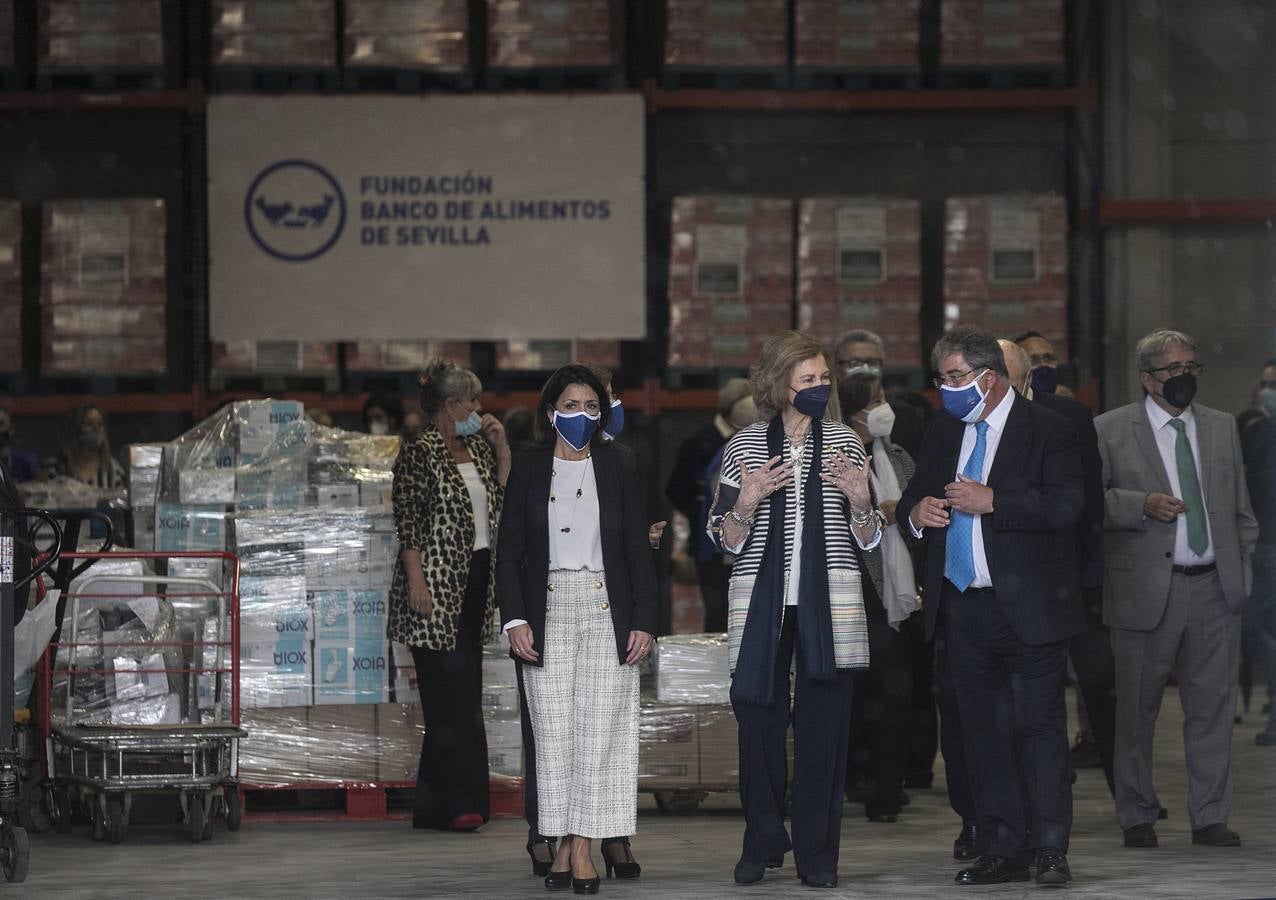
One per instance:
(584,706)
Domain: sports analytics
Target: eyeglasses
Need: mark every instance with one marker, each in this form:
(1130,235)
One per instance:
(956,379)
(859,362)
(1043,359)
(1176,369)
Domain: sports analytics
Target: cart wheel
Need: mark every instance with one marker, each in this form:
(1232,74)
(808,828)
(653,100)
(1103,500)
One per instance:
(62,810)
(195,818)
(35,812)
(98,807)
(115,819)
(15,848)
(234,812)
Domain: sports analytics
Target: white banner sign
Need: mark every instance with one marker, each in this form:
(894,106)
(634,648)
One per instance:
(483,218)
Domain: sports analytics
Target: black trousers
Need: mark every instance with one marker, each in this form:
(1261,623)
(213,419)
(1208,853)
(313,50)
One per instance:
(452,778)
(821,716)
(1091,654)
(1010,700)
(924,731)
(713,576)
(961,796)
(881,717)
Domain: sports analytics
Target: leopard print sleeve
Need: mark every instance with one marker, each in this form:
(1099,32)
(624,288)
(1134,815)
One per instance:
(409,495)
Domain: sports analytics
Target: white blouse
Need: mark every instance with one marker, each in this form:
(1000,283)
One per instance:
(478,502)
(575,535)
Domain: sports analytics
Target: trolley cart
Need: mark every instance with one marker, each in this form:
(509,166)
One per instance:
(15,847)
(166,711)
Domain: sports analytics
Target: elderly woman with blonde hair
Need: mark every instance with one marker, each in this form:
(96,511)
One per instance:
(795,505)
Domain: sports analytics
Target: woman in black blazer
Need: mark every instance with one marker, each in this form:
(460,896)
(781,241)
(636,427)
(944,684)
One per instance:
(578,598)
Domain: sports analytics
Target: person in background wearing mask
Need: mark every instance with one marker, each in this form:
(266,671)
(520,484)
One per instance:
(1045,364)
(615,425)
(1258,627)
(383,413)
(688,491)
(447,495)
(575,520)
(997,495)
(1091,652)
(881,713)
(1177,573)
(23,465)
(861,350)
(84,453)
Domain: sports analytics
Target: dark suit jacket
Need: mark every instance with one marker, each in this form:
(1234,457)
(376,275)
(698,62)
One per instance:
(1090,530)
(686,487)
(1038,496)
(522,548)
(10,499)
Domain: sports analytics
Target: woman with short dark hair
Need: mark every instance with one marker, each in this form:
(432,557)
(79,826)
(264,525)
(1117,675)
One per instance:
(578,599)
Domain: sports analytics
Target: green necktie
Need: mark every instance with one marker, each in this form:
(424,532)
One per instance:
(1198,536)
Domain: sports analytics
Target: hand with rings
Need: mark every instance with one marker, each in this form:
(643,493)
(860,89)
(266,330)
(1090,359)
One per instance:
(756,485)
(639,646)
(520,637)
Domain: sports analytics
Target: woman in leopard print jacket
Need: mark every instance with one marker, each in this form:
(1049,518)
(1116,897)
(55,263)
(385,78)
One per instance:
(449,484)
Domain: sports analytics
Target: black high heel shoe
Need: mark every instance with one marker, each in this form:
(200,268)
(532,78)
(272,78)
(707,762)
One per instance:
(619,859)
(586,885)
(559,881)
(537,848)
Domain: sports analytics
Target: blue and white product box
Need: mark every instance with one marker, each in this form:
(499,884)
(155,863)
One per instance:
(271,543)
(349,616)
(201,486)
(337,496)
(276,674)
(339,562)
(179,527)
(258,424)
(352,672)
(383,553)
(375,494)
(273,608)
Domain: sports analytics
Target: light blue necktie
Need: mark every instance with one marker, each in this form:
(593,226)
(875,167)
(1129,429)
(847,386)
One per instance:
(961,548)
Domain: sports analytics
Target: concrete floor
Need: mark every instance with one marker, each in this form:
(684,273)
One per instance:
(682,856)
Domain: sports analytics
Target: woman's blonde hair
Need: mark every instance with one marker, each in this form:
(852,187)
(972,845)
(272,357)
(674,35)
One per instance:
(443,380)
(781,354)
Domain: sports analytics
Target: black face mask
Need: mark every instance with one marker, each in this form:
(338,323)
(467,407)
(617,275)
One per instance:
(1179,390)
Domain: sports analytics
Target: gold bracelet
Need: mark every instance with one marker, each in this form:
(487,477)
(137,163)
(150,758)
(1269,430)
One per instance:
(739,519)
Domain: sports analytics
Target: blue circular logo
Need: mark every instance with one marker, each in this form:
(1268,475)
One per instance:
(295,210)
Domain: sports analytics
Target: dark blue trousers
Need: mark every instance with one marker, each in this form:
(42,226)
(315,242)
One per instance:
(821,715)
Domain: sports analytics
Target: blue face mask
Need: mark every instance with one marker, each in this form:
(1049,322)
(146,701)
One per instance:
(470,425)
(965,403)
(616,422)
(577,428)
(1267,401)
(1045,380)
(812,401)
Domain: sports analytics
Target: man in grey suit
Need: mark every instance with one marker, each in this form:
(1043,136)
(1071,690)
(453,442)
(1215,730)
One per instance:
(1179,535)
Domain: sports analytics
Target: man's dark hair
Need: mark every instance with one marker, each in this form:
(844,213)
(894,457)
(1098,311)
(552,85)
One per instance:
(980,349)
(1019,339)
(559,382)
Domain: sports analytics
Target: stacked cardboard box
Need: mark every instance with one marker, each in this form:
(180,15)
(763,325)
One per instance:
(730,278)
(1006,265)
(297,745)
(857,34)
(407,34)
(6,34)
(274,33)
(403,356)
(726,34)
(1001,33)
(275,357)
(90,34)
(524,355)
(859,266)
(10,286)
(561,34)
(103,286)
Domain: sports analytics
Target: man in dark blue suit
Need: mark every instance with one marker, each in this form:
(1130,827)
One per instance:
(997,495)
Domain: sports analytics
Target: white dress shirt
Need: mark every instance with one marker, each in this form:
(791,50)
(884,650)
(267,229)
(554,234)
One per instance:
(1166,437)
(992,440)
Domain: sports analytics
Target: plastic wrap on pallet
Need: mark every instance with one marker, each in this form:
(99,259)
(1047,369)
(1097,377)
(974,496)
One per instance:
(870,35)
(530,34)
(400,733)
(407,34)
(1006,264)
(692,668)
(1001,33)
(307,745)
(730,278)
(83,34)
(144,462)
(859,266)
(274,33)
(668,746)
(726,34)
(70,494)
(104,251)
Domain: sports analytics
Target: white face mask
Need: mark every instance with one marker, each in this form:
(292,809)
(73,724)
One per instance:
(880,420)
(378,427)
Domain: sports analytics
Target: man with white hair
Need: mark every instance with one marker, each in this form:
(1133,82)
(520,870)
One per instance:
(1179,537)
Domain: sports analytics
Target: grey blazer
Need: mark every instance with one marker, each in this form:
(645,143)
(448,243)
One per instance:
(1138,551)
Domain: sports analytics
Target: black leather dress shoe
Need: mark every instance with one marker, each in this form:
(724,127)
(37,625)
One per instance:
(1162,813)
(1052,868)
(994,870)
(820,881)
(1143,835)
(747,872)
(967,844)
(775,862)
(1216,835)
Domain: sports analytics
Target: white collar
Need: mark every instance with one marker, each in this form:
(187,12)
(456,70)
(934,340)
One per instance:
(1159,418)
(997,418)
